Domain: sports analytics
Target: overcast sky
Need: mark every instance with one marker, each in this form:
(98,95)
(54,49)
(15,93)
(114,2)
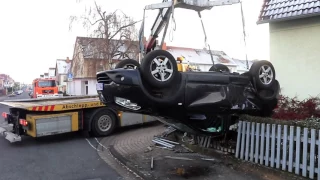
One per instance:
(35,33)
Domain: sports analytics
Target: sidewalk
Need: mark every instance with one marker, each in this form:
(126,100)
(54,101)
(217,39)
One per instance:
(134,149)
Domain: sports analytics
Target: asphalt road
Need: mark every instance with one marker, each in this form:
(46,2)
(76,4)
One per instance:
(65,157)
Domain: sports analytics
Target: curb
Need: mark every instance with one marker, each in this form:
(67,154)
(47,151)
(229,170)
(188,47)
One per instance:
(127,163)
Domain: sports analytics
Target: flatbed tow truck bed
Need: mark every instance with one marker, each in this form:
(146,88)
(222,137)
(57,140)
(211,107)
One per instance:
(56,104)
(43,117)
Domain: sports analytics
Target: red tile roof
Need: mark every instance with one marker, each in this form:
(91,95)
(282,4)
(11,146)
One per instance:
(280,10)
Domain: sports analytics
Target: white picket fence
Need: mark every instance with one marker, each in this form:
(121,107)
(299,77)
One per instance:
(289,148)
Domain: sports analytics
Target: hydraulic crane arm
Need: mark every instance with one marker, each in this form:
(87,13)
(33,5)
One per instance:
(166,9)
(161,21)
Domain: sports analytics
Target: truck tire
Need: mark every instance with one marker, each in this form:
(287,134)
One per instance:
(103,123)
(128,64)
(159,69)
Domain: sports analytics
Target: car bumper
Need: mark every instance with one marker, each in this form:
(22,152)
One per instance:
(122,90)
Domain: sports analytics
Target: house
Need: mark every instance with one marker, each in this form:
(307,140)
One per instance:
(52,72)
(294,28)
(242,65)
(5,82)
(46,75)
(92,55)
(61,72)
(2,89)
(202,58)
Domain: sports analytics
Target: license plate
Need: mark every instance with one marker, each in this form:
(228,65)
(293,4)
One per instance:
(99,86)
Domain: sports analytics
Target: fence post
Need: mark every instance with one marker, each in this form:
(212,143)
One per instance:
(290,165)
(298,142)
(267,145)
(238,139)
(262,144)
(312,154)
(252,141)
(257,143)
(273,141)
(318,155)
(284,150)
(247,141)
(305,152)
(278,147)
(243,136)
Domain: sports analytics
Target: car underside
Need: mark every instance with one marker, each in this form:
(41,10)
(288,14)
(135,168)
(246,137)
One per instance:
(194,102)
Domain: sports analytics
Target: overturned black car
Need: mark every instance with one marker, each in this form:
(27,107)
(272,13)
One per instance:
(194,102)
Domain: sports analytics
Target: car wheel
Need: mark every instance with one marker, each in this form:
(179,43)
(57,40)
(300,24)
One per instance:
(159,68)
(271,93)
(128,64)
(103,123)
(263,74)
(220,68)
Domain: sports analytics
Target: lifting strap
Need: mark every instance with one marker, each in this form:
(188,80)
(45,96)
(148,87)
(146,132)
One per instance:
(205,38)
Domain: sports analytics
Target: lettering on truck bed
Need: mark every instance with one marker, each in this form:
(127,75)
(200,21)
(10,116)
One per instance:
(82,105)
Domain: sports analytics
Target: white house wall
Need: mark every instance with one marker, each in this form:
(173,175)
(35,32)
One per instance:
(77,87)
(294,52)
(92,87)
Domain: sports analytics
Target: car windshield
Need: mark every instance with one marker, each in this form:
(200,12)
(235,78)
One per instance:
(50,83)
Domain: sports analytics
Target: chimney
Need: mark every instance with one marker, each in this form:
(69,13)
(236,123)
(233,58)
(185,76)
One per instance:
(164,46)
(67,60)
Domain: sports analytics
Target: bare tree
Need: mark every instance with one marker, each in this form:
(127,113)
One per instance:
(116,33)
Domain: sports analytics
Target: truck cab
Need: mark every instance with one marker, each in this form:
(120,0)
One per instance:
(44,87)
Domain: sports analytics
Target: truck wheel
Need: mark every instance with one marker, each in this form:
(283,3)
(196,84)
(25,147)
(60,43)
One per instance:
(103,123)
(128,64)
(263,73)
(220,68)
(159,68)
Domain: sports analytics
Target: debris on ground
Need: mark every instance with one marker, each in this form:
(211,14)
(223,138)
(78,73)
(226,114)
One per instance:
(149,148)
(168,131)
(164,143)
(178,158)
(162,162)
(151,166)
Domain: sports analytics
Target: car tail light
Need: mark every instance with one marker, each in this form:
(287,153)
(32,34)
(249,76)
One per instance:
(4,115)
(23,122)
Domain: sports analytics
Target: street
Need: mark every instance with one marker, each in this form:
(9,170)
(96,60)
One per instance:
(66,156)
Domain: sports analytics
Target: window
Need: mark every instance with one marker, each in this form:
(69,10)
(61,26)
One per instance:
(86,82)
(50,83)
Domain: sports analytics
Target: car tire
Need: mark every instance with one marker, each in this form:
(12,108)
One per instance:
(219,68)
(128,64)
(271,93)
(263,74)
(103,123)
(159,73)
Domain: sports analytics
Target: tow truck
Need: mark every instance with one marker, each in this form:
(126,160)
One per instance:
(50,116)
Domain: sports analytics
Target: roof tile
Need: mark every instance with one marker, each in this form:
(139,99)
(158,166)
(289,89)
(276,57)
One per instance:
(281,9)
